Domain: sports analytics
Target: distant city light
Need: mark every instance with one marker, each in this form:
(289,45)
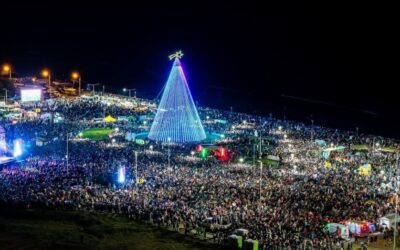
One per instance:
(116,129)
(80,134)
(192,153)
(280,128)
(113,140)
(241,160)
(151,147)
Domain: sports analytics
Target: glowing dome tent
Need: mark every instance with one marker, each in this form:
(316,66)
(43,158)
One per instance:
(109,118)
(177,119)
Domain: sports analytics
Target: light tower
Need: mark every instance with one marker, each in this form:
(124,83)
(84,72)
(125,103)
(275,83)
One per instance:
(177,117)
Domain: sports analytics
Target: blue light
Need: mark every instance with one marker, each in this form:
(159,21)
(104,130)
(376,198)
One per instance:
(17,148)
(121,175)
(177,116)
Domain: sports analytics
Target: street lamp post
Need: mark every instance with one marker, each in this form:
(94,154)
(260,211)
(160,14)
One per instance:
(169,152)
(260,149)
(254,153)
(312,130)
(169,158)
(374,147)
(261,170)
(6,96)
(67,156)
(129,92)
(76,76)
(136,169)
(46,74)
(93,85)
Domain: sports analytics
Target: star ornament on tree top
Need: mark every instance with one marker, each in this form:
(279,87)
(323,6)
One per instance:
(178,54)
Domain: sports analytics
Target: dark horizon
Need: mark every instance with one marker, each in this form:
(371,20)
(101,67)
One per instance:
(304,62)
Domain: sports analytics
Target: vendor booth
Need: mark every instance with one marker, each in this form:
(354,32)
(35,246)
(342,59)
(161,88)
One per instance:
(360,228)
(337,228)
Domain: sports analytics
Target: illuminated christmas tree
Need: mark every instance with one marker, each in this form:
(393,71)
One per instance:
(177,119)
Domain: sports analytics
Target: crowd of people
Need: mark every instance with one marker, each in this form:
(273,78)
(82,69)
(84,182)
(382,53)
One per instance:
(283,207)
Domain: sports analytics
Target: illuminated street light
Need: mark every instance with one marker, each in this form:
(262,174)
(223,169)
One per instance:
(76,76)
(151,147)
(280,128)
(46,74)
(192,153)
(241,160)
(7,69)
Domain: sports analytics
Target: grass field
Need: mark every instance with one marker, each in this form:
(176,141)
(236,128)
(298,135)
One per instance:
(266,162)
(52,229)
(390,150)
(361,147)
(96,134)
(364,147)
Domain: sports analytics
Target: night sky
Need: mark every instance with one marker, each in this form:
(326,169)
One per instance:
(302,61)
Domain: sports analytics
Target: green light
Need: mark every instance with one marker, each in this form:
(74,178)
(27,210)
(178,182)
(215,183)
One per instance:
(204,153)
(139,141)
